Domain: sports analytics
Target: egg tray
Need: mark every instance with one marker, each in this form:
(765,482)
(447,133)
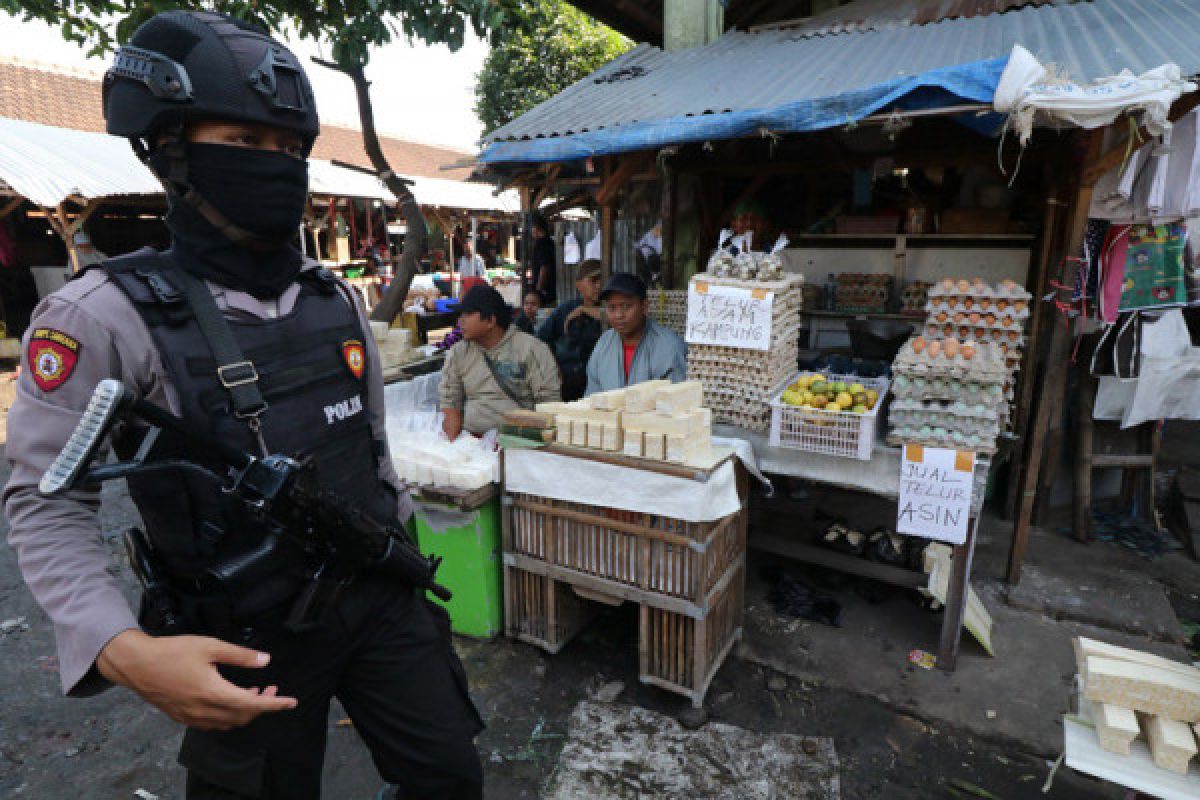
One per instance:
(977,290)
(789,288)
(929,400)
(961,306)
(956,408)
(991,395)
(898,437)
(747,360)
(945,419)
(955,368)
(751,419)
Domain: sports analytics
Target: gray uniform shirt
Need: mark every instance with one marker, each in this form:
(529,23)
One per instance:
(58,539)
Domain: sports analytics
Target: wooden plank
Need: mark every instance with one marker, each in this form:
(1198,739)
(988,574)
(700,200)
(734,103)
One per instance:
(1172,743)
(1054,379)
(1085,647)
(956,604)
(808,554)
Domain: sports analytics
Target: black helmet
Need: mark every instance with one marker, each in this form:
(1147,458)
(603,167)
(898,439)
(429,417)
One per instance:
(185,65)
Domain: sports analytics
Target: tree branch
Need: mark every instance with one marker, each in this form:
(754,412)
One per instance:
(392,302)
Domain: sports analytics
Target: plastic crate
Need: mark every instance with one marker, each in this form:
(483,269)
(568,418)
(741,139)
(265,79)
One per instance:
(834,433)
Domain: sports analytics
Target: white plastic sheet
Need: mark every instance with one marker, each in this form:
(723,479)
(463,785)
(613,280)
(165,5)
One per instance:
(1027,89)
(577,480)
(1168,383)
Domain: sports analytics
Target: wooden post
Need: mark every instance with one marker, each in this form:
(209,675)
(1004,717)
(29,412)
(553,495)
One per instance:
(956,597)
(667,215)
(608,211)
(1054,373)
(1081,505)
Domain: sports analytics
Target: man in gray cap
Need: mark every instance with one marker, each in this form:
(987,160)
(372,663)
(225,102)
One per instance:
(635,348)
(254,347)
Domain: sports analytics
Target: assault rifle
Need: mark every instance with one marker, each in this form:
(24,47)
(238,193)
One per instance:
(282,494)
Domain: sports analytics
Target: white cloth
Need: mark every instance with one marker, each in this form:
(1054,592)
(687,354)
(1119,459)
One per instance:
(594,249)
(651,242)
(1160,181)
(1168,382)
(578,480)
(1026,89)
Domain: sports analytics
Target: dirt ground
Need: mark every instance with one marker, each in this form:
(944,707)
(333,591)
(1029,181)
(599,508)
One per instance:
(112,745)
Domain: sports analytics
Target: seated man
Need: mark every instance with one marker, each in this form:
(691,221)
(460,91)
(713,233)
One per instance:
(526,321)
(494,369)
(636,348)
(574,328)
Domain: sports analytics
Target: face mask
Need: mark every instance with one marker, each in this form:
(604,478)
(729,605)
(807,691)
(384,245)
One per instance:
(260,191)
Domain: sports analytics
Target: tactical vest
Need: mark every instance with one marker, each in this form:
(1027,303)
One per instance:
(316,407)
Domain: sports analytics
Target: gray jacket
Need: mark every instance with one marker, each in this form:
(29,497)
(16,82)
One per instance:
(660,355)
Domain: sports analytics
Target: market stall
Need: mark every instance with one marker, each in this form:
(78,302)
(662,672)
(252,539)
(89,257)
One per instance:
(896,323)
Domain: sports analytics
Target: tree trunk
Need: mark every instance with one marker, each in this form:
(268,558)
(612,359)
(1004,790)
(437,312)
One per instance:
(392,302)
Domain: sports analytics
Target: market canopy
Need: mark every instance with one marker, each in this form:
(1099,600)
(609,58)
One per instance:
(49,165)
(780,81)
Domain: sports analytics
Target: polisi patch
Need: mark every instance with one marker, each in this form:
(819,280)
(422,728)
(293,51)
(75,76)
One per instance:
(52,357)
(355,356)
(343,409)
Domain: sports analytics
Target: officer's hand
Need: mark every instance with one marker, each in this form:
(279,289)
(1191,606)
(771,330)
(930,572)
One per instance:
(178,675)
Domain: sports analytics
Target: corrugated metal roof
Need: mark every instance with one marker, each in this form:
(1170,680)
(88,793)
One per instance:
(873,15)
(49,165)
(744,71)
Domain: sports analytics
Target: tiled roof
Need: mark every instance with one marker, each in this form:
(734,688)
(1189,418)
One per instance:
(71,99)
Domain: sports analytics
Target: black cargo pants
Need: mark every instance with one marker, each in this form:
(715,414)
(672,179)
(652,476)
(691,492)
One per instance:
(387,656)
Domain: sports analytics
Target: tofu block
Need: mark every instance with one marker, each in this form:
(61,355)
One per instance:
(641,397)
(379,330)
(1146,688)
(612,438)
(654,445)
(679,397)
(666,424)
(613,400)
(1116,727)
(401,337)
(595,435)
(579,432)
(551,408)
(1172,743)
(563,434)
(631,444)
(702,418)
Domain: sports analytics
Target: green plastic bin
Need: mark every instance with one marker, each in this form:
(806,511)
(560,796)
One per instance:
(472,567)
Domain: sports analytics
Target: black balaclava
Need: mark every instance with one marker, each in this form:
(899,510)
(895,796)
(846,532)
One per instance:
(261,191)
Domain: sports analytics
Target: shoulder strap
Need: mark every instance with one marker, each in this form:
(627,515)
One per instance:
(235,372)
(501,381)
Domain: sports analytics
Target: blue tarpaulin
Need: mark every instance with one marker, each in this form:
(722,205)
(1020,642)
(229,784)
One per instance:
(940,88)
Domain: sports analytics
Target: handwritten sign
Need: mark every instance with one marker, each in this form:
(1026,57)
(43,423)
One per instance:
(729,316)
(935,493)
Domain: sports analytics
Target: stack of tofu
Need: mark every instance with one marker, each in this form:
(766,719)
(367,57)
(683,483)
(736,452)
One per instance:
(395,345)
(740,383)
(655,419)
(1132,693)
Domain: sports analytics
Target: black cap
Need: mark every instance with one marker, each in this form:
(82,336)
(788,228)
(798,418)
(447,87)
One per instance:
(487,302)
(625,283)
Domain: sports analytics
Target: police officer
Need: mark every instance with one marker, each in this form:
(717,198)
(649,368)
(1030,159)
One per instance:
(235,332)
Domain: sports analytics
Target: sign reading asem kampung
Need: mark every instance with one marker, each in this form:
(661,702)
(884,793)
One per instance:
(729,316)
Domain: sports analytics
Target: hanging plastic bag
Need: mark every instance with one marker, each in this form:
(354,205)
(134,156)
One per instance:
(594,249)
(570,249)
(1168,384)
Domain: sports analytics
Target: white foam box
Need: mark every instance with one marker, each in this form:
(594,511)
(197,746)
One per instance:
(642,396)
(579,432)
(679,397)
(595,435)
(562,429)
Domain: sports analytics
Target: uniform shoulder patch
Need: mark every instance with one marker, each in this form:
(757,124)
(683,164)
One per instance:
(355,356)
(52,357)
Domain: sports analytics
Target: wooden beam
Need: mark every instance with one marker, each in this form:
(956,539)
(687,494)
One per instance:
(1053,374)
(667,210)
(1117,155)
(12,205)
(618,177)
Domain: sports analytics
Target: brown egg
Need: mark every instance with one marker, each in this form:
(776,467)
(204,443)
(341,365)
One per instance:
(990,319)
(948,284)
(974,318)
(1001,305)
(948,330)
(1006,322)
(1020,305)
(981,333)
(968,351)
(964,285)
(1008,284)
(1003,347)
(918,344)
(959,317)
(935,349)
(968,302)
(1014,336)
(964,332)
(950,348)
(942,316)
(985,303)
